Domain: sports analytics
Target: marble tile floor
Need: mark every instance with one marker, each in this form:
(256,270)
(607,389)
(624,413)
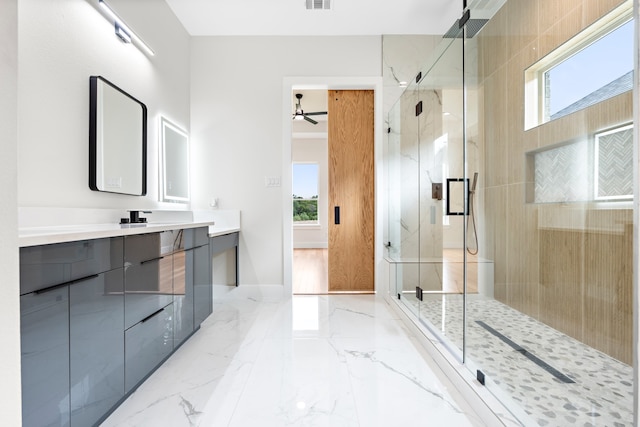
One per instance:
(602,391)
(342,360)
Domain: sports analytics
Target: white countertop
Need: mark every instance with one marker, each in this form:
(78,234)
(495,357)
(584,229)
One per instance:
(68,233)
(42,226)
(215,230)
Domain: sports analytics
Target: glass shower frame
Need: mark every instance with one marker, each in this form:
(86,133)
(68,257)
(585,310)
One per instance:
(498,276)
(425,133)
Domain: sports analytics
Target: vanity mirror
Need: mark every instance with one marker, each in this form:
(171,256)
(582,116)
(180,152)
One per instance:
(117,140)
(175,162)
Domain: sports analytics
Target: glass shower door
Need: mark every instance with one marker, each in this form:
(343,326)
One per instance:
(404,216)
(427,187)
(442,194)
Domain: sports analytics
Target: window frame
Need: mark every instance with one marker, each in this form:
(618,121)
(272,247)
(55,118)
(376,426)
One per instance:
(596,164)
(535,88)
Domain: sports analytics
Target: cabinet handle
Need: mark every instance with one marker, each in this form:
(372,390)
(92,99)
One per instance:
(152,315)
(152,259)
(71,282)
(336,214)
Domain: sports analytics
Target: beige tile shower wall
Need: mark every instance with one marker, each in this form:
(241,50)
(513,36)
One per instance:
(571,270)
(607,292)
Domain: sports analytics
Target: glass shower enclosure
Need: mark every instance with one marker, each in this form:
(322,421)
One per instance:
(500,240)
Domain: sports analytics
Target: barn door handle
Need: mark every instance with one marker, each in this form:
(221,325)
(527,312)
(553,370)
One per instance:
(336,214)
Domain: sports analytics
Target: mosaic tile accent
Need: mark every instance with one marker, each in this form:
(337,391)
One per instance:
(614,161)
(562,174)
(602,394)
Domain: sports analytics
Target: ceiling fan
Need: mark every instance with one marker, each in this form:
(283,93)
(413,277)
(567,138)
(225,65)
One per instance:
(301,115)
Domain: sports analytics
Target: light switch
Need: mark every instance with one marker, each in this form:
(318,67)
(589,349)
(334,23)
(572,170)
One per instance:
(272,181)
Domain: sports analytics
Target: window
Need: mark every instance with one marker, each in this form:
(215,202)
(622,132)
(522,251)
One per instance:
(595,65)
(305,193)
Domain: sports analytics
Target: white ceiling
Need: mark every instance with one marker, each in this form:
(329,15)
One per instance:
(290,17)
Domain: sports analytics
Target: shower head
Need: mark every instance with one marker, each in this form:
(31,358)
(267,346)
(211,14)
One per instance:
(473,27)
(474,183)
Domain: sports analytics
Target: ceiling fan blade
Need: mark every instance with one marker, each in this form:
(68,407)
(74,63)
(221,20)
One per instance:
(310,120)
(316,113)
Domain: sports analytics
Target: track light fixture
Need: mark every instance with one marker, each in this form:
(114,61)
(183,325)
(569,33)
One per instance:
(123,31)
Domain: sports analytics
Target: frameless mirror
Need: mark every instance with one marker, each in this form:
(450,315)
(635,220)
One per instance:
(175,162)
(117,140)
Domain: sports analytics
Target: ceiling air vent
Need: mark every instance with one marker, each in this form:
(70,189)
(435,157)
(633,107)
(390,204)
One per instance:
(318,4)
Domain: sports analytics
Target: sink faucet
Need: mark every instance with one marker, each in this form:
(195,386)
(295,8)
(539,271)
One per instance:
(134,217)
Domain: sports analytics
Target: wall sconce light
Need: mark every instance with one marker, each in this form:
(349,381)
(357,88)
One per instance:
(123,31)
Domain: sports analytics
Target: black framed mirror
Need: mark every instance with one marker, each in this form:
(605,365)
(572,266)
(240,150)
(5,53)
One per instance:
(117,140)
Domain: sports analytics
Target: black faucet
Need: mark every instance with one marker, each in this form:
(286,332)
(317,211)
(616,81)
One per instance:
(134,218)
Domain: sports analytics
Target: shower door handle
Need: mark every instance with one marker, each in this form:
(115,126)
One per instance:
(336,214)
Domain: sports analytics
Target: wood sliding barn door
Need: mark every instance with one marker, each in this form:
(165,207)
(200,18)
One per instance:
(351,191)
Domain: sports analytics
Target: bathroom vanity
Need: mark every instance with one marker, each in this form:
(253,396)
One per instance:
(102,309)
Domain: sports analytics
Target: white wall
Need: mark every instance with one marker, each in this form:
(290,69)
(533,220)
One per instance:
(61,44)
(237,131)
(9,287)
(314,151)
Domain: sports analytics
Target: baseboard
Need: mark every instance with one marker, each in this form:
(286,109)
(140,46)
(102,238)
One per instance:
(310,245)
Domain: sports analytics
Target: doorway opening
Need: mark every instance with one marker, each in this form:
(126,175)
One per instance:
(291,86)
(309,214)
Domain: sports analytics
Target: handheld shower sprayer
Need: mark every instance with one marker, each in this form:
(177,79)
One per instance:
(472,216)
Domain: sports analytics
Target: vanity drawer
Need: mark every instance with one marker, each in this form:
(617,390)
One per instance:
(222,243)
(147,344)
(194,237)
(148,287)
(144,247)
(141,247)
(50,265)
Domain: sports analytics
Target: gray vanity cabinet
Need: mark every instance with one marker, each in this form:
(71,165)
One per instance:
(198,275)
(192,283)
(98,316)
(44,329)
(202,289)
(183,300)
(147,344)
(148,302)
(52,279)
(148,275)
(96,325)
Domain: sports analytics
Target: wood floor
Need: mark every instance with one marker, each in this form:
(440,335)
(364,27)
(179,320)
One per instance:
(310,271)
